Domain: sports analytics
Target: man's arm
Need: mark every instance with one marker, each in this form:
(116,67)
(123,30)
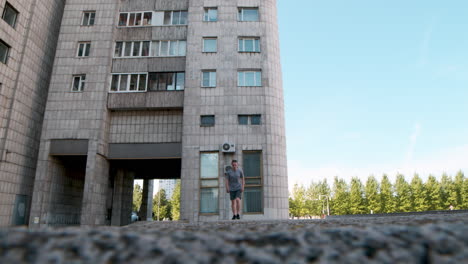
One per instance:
(226,182)
(243,181)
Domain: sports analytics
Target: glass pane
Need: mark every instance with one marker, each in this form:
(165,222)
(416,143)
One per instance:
(241,45)
(118,49)
(182,48)
(167,17)
(76,84)
(87,49)
(249,78)
(138,19)
(162,81)
(209,200)
(206,79)
(155,49)
(209,183)
(80,49)
(209,165)
(128,49)
(252,164)
(123,19)
(240,79)
(3,52)
(173,48)
(131,22)
(243,119)
(252,202)
(213,14)
(250,14)
(136,49)
(115,82)
(175,18)
(255,181)
(82,83)
(133,82)
(170,81)
(207,120)
(153,82)
(239,15)
(123,82)
(142,83)
(209,45)
(183,18)
(257,45)
(145,49)
(164,48)
(258,78)
(85,19)
(10,15)
(256,120)
(147,18)
(212,79)
(249,45)
(91,19)
(180,81)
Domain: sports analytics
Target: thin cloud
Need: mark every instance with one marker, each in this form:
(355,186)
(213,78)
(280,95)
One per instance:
(412,145)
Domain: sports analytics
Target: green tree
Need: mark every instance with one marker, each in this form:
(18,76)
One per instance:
(137,197)
(458,190)
(356,197)
(161,206)
(418,194)
(387,203)
(298,201)
(312,204)
(433,193)
(465,194)
(175,202)
(402,195)
(446,192)
(372,195)
(340,200)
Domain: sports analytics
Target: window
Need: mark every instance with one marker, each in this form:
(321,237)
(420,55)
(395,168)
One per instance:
(78,83)
(209,187)
(10,15)
(210,44)
(168,48)
(132,49)
(88,18)
(166,81)
(249,78)
(253,198)
(249,119)
(137,19)
(83,49)
(209,79)
(247,14)
(207,120)
(249,45)
(4,51)
(134,82)
(210,14)
(175,18)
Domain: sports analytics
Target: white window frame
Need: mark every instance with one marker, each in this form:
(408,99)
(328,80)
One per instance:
(206,14)
(92,14)
(255,41)
(244,74)
(81,83)
(172,17)
(249,119)
(210,38)
(211,78)
(142,13)
(240,17)
(171,43)
(127,88)
(86,49)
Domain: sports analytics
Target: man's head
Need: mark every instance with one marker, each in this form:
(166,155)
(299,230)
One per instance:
(234,164)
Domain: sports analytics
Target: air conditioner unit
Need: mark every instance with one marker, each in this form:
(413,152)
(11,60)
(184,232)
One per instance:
(228,147)
(227,168)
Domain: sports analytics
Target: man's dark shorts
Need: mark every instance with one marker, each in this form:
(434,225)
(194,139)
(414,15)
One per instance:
(235,194)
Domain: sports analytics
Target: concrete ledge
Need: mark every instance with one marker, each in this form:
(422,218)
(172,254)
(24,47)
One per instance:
(145,151)
(68,147)
(147,100)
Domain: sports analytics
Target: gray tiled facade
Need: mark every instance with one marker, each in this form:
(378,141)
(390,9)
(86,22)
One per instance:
(80,183)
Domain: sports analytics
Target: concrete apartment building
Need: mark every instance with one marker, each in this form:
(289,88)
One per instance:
(146,89)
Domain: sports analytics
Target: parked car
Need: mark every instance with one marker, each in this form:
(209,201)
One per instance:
(135,217)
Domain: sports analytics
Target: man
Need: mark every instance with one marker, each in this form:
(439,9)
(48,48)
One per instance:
(235,187)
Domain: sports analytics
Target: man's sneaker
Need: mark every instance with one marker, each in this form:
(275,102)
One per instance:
(234,217)
(237,216)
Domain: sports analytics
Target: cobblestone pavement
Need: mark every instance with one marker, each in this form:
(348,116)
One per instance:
(441,238)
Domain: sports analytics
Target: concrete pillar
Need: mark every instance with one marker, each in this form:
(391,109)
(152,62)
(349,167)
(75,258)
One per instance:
(146,209)
(122,198)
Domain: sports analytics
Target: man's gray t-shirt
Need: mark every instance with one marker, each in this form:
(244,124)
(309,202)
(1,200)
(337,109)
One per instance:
(234,179)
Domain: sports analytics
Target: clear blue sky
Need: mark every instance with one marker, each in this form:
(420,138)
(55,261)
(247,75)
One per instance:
(375,87)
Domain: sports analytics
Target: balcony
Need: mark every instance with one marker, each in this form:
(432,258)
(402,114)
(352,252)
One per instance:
(146,100)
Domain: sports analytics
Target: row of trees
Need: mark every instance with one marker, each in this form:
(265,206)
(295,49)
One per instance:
(163,208)
(380,197)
